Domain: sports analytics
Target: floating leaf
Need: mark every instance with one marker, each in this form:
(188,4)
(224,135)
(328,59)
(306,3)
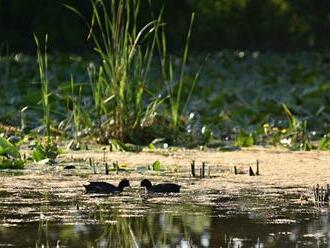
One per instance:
(156,166)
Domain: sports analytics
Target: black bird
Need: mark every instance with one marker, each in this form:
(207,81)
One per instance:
(160,188)
(106,188)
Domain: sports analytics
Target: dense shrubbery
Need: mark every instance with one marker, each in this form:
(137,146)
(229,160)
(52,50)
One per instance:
(244,24)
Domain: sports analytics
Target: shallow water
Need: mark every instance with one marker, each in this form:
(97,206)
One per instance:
(49,210)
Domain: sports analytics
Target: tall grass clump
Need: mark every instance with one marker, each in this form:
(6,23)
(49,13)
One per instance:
(119,84)
(42,59)
(176,85)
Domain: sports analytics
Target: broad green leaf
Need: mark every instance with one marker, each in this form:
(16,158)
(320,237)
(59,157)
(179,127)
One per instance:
(156,166)
(7,148)
(39,153)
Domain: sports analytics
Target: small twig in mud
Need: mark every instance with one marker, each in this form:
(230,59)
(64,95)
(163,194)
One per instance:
(321,194)
(92,164)
(316,192)
(251,173)
(193,168)
(235,170)
(203,170)
(104,150)
(106,169)
(116,166)
(257,173)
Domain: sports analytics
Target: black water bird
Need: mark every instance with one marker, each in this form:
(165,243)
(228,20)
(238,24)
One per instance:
(69,167)
(160,188)
(106,188)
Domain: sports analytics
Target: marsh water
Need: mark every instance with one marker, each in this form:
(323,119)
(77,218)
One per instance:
(52,210)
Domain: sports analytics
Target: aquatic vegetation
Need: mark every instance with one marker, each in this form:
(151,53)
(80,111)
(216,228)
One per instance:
(42,58)
(156,166)
(44,149)
(251,102)
(10,157)
(325,142)
(119,83)
(244,139)
(175,86)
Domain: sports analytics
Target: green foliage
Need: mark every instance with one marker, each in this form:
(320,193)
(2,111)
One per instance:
(117,145)
(325,143)
(237,89)
(10,157)
(244,139)
(43,74)
(11,164)
(44,150)
(8,149)
(296,132)
(156,166)
(126,52)
(175,87)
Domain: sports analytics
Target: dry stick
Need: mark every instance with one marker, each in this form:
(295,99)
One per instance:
(257,173)
(103,154)
(322,195)
(203,169)
(200,172)
(209,172)
(116,167)
(92,164)
(235,170)
(251,173)
(192,165)
(106,169)
(317,193)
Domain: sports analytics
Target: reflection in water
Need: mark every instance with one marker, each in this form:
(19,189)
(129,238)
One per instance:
(38,217)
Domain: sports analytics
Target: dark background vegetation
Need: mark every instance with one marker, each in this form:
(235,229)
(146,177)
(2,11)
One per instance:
(284,25)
